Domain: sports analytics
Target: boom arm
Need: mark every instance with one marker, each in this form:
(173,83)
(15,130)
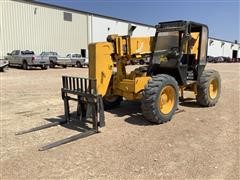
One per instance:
(119,50)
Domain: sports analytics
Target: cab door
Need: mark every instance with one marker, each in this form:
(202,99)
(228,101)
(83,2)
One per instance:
(44,57)
(15,57)
(10,57)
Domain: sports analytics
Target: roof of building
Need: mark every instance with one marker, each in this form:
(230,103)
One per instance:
(223,40)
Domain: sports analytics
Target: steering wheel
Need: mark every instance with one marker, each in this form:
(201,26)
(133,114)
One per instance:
(173,53)
(175,49)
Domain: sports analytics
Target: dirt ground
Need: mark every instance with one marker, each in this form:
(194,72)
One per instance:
(198,143)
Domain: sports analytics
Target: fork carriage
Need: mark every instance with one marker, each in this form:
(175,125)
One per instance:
(89,106)
(89,103)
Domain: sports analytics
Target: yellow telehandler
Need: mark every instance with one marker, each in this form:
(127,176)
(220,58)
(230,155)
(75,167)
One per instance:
(178,58)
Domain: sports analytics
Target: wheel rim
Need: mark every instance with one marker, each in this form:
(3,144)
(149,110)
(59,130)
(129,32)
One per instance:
(167,99)
(213,88)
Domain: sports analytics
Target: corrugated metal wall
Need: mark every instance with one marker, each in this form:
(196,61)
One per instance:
(102,27)
(38,28)
(1,38)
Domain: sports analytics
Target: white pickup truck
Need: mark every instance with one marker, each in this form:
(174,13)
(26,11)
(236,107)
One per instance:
(77,60)
(55,59)
(26,59)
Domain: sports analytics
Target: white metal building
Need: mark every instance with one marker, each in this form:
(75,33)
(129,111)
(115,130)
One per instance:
(42,27)
(218,47)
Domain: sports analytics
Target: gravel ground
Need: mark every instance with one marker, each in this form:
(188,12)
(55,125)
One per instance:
(198,143)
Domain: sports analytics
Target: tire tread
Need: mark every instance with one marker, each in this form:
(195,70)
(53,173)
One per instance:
(150,94)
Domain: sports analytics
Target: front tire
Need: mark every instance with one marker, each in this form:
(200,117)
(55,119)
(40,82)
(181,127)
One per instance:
(111,101)
(25,65)
(208,88)
(160,99)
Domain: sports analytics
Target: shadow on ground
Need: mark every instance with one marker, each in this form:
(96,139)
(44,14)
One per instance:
(75,124)
(30,68)
(190,102)
(132,109)
(34,68)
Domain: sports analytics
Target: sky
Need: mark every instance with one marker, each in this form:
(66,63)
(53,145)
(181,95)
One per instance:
(221,16)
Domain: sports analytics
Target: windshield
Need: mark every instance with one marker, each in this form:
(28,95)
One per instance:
(167,44)
(48,54)
(27,52)
(53,53)
(78,55)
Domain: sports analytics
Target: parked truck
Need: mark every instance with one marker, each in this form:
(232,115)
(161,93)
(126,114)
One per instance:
(77,60)
(26,59)
(54,59)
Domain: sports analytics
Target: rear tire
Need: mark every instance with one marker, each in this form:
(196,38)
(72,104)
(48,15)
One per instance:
(111,101)
(52,65)
(81,109)
(25,65)
(44,67)
(160,99)
(79,65)
(208,88)
(64,66)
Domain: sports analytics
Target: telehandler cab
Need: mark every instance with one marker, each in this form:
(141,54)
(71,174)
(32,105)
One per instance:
(178,58)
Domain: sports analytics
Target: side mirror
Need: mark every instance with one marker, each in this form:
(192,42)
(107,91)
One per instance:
(8,54)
